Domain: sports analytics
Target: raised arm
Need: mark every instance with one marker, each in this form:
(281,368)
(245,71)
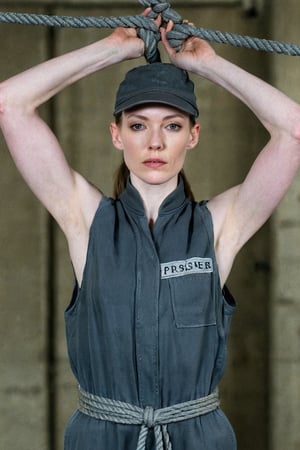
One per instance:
(33,146)
(241,211)
(38,156)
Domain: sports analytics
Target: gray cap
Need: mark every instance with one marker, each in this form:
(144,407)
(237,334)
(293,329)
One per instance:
(157,83)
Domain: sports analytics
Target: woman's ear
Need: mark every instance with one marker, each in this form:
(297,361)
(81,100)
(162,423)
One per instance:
(194,136)
(115,136)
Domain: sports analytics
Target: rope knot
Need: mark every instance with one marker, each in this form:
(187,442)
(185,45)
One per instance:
(149,419)
(159,6)
(163,8)
(151,38)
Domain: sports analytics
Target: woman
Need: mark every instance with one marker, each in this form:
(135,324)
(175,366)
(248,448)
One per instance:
(148,321)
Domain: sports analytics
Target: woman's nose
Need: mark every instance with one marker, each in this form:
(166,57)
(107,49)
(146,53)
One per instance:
(156,140)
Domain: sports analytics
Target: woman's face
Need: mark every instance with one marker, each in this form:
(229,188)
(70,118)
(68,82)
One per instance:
(154,140)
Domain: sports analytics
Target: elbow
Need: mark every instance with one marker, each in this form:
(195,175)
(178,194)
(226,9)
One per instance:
(297,131)
(290,133)
(2,100)
(6,105)
(296,128)
(11,106)
(296,140)
(3,107)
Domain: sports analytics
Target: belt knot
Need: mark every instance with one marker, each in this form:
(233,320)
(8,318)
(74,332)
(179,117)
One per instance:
(121,412)
(149,417)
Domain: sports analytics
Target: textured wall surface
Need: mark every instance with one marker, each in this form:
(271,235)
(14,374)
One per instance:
(37,389)
(23,280)
(285,306)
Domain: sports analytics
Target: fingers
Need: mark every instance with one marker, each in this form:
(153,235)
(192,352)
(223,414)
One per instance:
(170,26)
(187,22)
(170,50)
(146,11)
(163,32)
(157,21)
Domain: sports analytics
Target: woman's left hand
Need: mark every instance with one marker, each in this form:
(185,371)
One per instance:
(193,53)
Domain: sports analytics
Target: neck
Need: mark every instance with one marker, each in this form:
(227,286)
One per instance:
(153,195)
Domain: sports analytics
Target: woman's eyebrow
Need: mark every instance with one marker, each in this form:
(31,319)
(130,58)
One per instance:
(137,116)
(168,117)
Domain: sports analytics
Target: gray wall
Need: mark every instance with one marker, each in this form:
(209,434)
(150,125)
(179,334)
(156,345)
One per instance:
(285,298)
(261,390)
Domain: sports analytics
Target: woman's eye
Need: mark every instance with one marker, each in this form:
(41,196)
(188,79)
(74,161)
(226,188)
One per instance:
(174,127)
(137,126)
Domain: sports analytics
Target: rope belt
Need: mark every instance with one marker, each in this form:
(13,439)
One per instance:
(125,413)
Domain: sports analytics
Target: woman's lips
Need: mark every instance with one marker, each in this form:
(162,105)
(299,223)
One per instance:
(154,163)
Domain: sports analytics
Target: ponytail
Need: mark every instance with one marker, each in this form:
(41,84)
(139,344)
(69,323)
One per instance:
(187,187)
(122,174)
(120,179)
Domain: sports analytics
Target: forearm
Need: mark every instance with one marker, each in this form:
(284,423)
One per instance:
(29,89)
(275,110)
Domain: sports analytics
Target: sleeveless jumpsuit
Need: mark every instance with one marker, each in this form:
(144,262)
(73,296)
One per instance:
(150,322)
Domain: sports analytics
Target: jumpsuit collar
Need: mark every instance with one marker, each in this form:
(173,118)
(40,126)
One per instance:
(132,199)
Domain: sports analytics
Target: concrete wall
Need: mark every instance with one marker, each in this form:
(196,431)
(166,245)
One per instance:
(23,280)
(285,304)
(37,389)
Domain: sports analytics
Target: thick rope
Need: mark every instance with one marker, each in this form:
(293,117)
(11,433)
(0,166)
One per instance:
(121,412)
(148,31)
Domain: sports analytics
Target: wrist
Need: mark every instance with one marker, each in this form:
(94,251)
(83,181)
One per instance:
(205,67)
(111,50)
(124,48)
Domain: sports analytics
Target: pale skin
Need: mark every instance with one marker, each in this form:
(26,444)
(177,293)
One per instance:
(151,133)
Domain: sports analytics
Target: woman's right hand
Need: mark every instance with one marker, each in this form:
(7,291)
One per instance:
(128,43)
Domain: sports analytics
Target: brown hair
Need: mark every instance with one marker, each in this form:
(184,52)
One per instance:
(122,173)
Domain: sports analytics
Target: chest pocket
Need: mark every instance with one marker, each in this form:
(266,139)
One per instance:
(193,300)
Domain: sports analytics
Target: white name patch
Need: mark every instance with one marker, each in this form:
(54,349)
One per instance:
(186,267)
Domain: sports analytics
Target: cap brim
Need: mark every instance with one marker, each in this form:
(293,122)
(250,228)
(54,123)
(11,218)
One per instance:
(166,98)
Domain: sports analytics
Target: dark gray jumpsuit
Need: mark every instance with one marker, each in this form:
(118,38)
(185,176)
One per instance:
(149,324)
